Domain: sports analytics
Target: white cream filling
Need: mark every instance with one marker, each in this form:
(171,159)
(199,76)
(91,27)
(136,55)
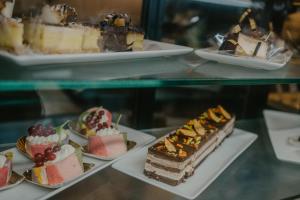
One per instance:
(49,139)
(107,131)
(65,151)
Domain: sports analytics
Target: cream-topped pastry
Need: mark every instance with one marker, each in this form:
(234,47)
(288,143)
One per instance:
(57,165)
(58,14)
(41,138)
(93,120)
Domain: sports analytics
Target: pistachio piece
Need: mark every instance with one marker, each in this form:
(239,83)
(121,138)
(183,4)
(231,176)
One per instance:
(213,116)
(224,112)
(189,140)
(188,127)
(170,147)
(189,133)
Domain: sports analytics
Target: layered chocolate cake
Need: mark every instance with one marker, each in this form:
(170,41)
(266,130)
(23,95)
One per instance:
(11,30)
(119,34)
(246,39)
(173,159)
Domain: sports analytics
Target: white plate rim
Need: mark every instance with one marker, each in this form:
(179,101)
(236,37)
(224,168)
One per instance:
(212,55)
(158,184)
(49,59)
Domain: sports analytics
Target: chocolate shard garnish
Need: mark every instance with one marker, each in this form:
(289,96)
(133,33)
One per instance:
(175,158)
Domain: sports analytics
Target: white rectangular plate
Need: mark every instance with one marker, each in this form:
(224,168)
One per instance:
(282,126)
(151,49)
(205,174)
(28,191)
(256,63)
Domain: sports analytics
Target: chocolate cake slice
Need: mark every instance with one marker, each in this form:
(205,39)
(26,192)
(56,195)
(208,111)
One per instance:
(119,34)
(173,159)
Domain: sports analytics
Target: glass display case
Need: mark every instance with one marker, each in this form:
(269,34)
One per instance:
(158,95)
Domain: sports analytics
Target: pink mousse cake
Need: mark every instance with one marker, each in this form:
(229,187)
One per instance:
(57,165)
(40,138)
(93,120)
(108,142)
(5,169)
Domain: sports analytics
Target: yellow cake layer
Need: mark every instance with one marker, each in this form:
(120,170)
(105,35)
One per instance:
(91,39)
(11,34)
(137,40)
(54,39)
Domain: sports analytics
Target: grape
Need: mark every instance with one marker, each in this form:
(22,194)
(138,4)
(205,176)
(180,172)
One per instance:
(56,148)
(48,151)
(51,156)
(38,157)
(101,112)
(39,164)
(105,125)
(100,126)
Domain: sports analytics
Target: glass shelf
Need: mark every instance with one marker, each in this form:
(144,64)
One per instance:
(141,73)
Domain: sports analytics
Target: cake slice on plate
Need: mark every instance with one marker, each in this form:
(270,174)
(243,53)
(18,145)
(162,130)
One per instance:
(11,30)
(174,158)
(57,165)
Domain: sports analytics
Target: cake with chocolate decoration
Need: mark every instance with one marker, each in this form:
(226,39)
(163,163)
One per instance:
(55,31)
(246,39)
(11,30)
(119,34)
(174,158)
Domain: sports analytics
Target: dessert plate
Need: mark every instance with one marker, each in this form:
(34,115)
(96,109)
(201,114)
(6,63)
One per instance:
(30,191)
(284,133)
(130,145)
(135,140)
(205,174)
(14,180)
(27,174)
(151,49)
(244,61)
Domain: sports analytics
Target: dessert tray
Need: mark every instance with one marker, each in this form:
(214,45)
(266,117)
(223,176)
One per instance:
(245,61)
(151,49)
(284,132)
(21,164)
(205,174)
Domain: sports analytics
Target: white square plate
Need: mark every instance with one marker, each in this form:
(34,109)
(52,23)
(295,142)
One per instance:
(250,62)
(151,49)
(28,191)
(281,126)
(205,174)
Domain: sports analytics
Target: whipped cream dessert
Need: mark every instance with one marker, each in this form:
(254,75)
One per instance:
(41,137)
(94,120)
(175,158)
(57,165)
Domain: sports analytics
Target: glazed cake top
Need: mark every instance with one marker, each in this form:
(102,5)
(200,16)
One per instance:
(183,142)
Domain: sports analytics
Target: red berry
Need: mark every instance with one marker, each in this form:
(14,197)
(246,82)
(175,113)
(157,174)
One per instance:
(48,151)
(56,148)
(101,112)
(39,164)
(51,156)
(38,157)
(46,158)
(100,126)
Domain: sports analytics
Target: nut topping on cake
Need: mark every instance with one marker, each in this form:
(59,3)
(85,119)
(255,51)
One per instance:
(224,112)
(213,116)
(170,147)
(59,14)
